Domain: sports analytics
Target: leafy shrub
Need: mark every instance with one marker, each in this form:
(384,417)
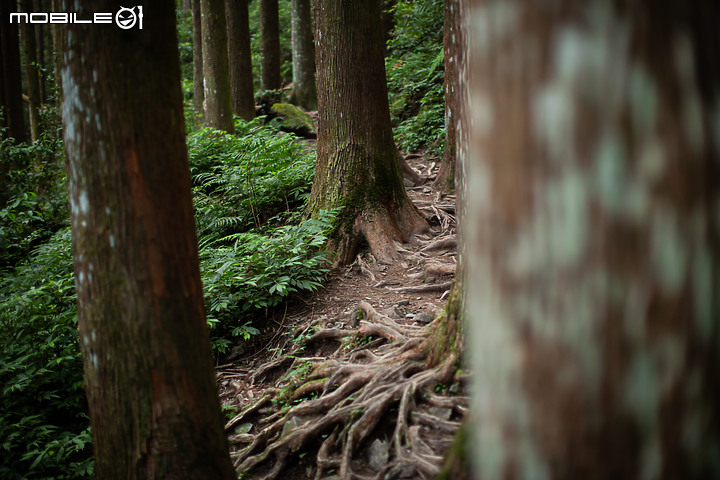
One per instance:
(244,180)
(414,69)
(43,415)
(33,198)
(259,271)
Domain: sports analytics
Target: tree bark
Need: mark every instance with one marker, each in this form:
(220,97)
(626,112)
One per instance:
(58,48)
(32,75)
(270,76)
(357,168)
(12,80)
(198,89)
(40,31)
(240,58)
(149,376)
(216,71)
(593,239)
(304,92)
(452,46)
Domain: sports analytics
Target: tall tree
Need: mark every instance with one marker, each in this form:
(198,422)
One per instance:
(304,92)
(357,168)
(452,40)
(149,376)
(240,58)
(593,238)
(198,89)
(12,80)
(270,76)
(216,71)
(57,46)
(32,75)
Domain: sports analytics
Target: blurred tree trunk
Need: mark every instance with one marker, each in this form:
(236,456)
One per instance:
(240,59)
(198,89)
(12,105)
(270,78)
(452,47)
(593,239)
(357,167)
(32,76)
(216,71)
(304,92)
(149,375)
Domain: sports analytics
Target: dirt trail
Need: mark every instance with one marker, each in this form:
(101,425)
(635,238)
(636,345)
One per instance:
(339,388)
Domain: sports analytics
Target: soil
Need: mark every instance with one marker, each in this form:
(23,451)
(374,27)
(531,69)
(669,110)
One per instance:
(336,385)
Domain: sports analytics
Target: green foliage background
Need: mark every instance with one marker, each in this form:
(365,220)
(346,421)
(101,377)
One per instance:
(250,191)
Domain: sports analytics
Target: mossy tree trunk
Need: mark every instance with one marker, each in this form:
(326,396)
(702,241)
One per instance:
(198,89)
(304,92)
(270,75)
(240,57)
(593,241)
(149,375)
(216,70)
(357,167)
(11,101)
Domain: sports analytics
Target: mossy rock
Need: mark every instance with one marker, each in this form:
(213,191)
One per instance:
(294,119)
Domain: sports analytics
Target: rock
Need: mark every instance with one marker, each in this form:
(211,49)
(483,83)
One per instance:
(442,413)
(355,317)
(423,318)
(403,303)
(295,120)
(378,454)
(243,428)
(292,424)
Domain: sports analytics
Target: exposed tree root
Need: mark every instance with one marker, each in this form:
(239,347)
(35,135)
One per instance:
(376,387)
(435,287)
(408,172)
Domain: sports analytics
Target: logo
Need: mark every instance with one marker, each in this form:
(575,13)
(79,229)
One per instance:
(125,18)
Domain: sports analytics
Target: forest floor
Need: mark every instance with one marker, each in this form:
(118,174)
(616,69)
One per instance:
(337,386)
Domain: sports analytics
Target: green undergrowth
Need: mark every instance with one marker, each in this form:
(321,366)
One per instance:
(250,190)
(43,415)
(415,73)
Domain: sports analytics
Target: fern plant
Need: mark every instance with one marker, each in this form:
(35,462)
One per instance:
(259,271)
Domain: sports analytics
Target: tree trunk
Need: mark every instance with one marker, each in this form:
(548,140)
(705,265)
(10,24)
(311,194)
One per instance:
(149,376)
(32,75)
(12,80)
(240,58)
(40,31)
(357,168)
(304,92)
(58,48)
(593,239)
(216,71)
(198,89)
(452,44)
(270,78)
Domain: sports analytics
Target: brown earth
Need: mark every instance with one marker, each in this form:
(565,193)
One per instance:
(337,386)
